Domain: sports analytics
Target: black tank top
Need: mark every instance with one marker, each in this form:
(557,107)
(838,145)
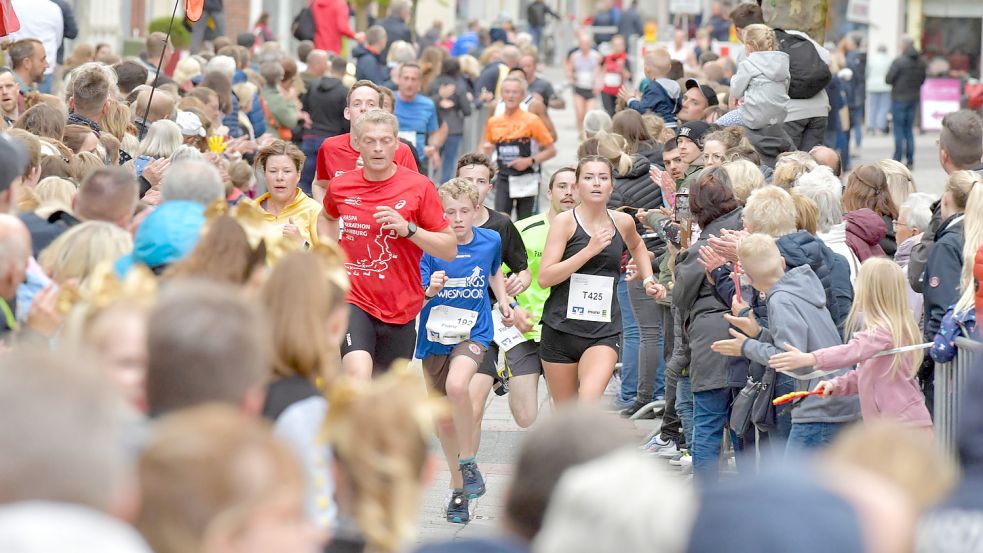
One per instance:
(605,264)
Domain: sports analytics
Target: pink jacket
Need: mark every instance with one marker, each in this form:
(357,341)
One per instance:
(881,396)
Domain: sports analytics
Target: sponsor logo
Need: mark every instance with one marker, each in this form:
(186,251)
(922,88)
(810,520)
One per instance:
(577,310)
(400,204)
(353,201)
(474,349)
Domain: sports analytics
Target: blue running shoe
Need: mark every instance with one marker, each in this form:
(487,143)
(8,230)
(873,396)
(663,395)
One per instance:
(457,508)
(474,483)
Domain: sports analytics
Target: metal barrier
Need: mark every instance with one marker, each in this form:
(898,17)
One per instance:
(950,382)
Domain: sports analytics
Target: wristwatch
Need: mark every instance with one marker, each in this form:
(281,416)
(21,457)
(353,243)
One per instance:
(411,229)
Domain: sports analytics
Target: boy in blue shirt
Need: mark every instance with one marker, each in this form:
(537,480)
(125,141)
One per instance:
(455,331)
(662,95)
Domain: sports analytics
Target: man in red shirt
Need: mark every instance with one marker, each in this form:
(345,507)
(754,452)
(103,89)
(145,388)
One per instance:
(338,154)
(389,216)
(331,23)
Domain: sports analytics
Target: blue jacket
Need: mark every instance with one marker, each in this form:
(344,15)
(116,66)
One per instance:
(953,326)
(370,66)
(658,100)
(943,273)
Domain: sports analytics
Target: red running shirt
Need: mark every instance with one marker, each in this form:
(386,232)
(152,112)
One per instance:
(384,269)
(336,156)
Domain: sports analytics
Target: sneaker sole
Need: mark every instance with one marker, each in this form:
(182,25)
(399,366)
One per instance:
(476,495)
(457,520)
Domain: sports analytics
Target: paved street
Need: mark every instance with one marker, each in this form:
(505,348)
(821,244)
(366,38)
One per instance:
(502,438)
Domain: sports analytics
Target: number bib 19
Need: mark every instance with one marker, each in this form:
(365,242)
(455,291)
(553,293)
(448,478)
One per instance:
(590,298)
(507,337)
(450,325)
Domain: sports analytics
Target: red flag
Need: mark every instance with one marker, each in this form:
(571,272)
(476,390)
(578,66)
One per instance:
(8,19)
(192,9)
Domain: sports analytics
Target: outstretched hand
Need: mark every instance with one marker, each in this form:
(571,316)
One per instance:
(791,360)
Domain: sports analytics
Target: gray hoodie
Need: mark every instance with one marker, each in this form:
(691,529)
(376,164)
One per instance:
(797,315)
(762,79)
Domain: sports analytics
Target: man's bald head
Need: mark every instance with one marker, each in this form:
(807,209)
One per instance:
(511,56)
(162,105)
(317,62)
(827,156)
(15,250)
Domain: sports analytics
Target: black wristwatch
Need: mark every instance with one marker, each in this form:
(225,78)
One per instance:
(411,229)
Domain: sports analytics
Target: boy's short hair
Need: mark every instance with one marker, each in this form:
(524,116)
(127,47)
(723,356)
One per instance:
(770,210)
(476,158)
(659,60)
(459,189)
(759,253)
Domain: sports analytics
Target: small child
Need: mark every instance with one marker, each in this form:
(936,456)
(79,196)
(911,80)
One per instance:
(662,96)
(762,81)
(797,316)
(455,331)
(886,385)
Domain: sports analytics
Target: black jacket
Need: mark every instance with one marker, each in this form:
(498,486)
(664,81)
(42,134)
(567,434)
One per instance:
(396,29)
(636,189)
(906,75)
(536,14)
(44,231)
(943,273)
(325,102)
(370,66)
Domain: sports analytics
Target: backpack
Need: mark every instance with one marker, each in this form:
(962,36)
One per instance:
(809,72)
(303,25)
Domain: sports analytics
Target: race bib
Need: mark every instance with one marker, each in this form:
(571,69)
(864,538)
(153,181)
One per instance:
(507,337)
(585,79)
(590,298)
(409,136)
(524,186)
(450,325)
(612,80)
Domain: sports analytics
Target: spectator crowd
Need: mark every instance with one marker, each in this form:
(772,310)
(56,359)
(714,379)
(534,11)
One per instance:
(242,293)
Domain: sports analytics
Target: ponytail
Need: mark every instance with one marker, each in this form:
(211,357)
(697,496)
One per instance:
(612,146)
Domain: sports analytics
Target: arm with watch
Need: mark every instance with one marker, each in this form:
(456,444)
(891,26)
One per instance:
(441,244)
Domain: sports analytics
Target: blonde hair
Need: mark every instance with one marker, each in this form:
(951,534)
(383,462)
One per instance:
(375,117)
(117,120)
(899,454)
(163,137)
(959,185)
(55,193)
(760,253)
(613,146)
(303,291)
(806,212)
(973,236)
(379,435)
(790,166)
(654,125)
(458,189)
(770,210)
(745,178)
(759,37)
(186,69)
(85,164)
(899,182)
(206,470)
(80,249)
(881,301)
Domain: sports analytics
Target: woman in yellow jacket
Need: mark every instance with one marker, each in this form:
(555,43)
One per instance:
(285,204)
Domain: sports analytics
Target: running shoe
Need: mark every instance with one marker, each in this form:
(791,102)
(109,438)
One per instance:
(457,508)
(474,483)
(657,443)
(668,452)
(500,386)
(684,460)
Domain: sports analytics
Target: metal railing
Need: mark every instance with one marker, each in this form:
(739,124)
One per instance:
(950,384)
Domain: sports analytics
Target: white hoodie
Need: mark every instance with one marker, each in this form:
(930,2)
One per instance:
(835,239)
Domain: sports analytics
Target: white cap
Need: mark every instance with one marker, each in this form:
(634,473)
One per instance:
(190,124)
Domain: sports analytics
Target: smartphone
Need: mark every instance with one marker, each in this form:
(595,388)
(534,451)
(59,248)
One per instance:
(681,211)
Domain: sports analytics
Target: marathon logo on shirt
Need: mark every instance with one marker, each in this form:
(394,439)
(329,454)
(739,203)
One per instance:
(470,287)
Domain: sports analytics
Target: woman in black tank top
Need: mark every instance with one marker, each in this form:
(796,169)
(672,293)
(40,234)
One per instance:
(581,265)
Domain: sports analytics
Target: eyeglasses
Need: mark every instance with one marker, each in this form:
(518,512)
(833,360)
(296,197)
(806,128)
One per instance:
(899,224)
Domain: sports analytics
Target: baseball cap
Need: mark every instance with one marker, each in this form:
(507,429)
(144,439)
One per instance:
(190,124)
(708,92)
(166,236)
(694,130)
(13,161)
